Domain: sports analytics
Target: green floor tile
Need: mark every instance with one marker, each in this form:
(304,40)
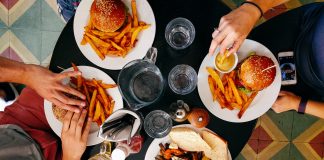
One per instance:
(301,123)
(48,43)
(238,2)
(283,121)
(2,25)
(31,39)
(30,19)
(294,153)
(240,157)
(283,154)
(2,31)
(50,20)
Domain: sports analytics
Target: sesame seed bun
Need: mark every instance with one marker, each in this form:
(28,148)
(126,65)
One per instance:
(59,113)
(108,15)
(255,74)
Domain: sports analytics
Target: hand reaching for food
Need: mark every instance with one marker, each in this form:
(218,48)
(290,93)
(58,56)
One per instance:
(234,28)
(74,135)
(286,101)
(44,82)
(49,86)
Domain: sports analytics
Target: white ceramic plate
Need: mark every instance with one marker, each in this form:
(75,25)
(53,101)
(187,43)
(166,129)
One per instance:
(145,38)
(87,72)
(262,102)
(154,149)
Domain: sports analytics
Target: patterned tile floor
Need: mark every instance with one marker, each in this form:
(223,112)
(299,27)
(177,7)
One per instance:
(29,30)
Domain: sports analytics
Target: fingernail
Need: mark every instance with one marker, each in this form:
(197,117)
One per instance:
(77,111)
(83,104)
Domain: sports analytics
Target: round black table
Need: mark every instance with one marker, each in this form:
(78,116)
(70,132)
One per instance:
(205,15)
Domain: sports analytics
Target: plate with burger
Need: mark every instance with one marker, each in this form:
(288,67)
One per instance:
(112,33)
(246,92)
(178,145)
(103,98)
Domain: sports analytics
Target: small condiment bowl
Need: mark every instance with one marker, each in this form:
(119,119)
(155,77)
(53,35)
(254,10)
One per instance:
(231,68)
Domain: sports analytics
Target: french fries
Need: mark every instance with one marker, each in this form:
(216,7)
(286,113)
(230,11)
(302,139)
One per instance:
(235,91)
(246,105)
(212,87)
(118,43)
(100,104)
(216,77)
(225,92)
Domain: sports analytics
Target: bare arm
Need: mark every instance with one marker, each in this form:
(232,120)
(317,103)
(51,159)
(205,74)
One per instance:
(265,5)
(12,71)
(234,27)
(289,101)
(43,81)
(315,108)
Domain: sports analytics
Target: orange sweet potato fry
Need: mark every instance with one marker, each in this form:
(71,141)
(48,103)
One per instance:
(92,103)
(98,111)
(247,104)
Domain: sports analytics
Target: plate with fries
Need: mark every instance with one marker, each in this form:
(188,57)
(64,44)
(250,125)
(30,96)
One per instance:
(223,98)
(102,97)
(113,50)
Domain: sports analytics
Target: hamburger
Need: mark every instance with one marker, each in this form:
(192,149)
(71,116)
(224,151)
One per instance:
(108,15)
(59,112)
(256,73)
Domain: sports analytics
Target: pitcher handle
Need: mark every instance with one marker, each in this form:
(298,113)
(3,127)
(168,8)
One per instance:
(151,54)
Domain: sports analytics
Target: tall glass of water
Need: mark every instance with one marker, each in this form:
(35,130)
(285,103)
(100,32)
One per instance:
(180,33)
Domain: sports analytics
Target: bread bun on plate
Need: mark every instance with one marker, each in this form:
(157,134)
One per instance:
(185,137)
(256,72)
(108,15)
(218,146)
(214,147)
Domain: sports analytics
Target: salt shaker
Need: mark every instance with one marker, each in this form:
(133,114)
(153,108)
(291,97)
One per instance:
(179,111)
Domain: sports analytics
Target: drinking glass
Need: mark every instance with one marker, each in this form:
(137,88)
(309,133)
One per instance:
(182,79)
(180,33)
(157,124)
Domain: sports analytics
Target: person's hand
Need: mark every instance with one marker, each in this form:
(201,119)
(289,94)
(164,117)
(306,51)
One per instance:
(286,101)
(234,28)
(74,135)
(48,85)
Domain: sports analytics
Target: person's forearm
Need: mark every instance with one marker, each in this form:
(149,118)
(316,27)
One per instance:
(315,108)
(265,5)
(12,71)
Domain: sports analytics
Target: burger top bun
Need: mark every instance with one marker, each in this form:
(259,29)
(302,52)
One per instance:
(257,72)
(108,15)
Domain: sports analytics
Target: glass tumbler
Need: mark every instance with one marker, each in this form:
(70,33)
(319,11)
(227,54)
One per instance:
(157,124)
(182,79)
(180,33)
